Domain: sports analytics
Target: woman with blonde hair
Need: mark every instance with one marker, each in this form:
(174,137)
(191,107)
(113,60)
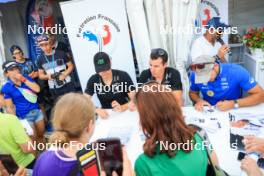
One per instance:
(73,121)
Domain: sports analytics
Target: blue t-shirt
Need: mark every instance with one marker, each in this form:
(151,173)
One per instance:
(27,67)
(54,163)
(229,84)
(23,106)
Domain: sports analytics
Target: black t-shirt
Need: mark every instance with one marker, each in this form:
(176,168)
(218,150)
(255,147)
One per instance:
(62,47)
(59,64)
(118,90)
(172,77)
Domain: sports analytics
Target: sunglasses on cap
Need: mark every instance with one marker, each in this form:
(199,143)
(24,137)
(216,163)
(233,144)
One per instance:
(193,67)
(157,52)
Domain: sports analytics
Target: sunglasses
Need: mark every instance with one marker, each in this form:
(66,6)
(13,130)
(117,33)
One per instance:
(194,67)
(16,53)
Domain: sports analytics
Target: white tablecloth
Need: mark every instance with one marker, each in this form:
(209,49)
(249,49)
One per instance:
(126,126)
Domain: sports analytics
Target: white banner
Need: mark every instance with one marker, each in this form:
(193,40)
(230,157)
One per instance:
(213,8)
(2,52)
(98,25)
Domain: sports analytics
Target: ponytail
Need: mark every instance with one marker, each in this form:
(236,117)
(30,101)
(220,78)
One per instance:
(59,138)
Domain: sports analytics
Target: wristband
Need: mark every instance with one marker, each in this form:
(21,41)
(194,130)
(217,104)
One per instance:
(23,79)
(217,59)
(236,105)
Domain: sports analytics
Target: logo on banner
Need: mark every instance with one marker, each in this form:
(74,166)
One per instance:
(208,10)
(99,31)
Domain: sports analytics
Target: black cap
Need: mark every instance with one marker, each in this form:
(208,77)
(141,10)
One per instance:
(101,62)
(15,47)
(7,65)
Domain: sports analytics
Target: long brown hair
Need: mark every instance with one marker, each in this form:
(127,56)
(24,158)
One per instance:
(71,115)
(161,119)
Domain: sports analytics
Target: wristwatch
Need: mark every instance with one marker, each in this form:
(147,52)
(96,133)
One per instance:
(236,106)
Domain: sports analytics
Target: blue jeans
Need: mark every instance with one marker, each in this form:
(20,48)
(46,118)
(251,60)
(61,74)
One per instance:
(34,116)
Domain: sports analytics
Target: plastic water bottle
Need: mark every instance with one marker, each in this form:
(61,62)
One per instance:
(255,157)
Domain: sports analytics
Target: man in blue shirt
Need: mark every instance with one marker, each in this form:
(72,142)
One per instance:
(222,85)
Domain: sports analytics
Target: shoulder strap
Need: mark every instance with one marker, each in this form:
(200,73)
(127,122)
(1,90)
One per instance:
(202,133)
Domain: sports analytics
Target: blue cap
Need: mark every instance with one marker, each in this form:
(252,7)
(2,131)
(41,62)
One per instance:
(216,23)
(14,47)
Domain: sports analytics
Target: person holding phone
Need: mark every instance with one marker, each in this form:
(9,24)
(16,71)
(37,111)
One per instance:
(253,144)
(250,166)
(114,88)
(20,172)
(21,98)
(207,44)
(68,130)
(162,122)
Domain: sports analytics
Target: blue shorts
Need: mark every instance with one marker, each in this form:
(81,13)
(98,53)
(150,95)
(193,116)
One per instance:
(34,116)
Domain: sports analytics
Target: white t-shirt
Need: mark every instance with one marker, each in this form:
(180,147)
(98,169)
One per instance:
(201,46)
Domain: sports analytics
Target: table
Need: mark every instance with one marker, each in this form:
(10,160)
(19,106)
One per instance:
(126,126)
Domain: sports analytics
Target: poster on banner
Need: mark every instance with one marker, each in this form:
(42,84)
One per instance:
(39,15)
(210,9)
(95,27)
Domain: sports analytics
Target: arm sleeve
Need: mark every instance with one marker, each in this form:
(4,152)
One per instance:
(246,81)
(29,78)
(195,50)
(143,77)
(141,168)
(35,68)
(193,86)
(90,86)
(18,132)
(7,94)
(65,57)
(39,63)
(127,79)
(176,83)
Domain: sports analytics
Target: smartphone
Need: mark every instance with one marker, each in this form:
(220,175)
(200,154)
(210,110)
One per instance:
(9,163)
(241,155)
(89,161)
(261,163)
(111,159)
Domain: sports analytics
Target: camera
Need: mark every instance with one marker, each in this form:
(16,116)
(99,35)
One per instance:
(56,77)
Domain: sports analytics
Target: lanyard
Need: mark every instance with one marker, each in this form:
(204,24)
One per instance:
(53,65)
(53,61)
